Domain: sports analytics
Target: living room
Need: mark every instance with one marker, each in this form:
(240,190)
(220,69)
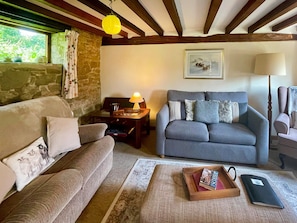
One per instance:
(152,70)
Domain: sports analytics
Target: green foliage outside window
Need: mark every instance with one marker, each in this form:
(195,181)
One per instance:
(17,43)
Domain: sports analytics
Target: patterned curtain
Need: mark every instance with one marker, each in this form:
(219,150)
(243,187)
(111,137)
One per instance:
(70,65)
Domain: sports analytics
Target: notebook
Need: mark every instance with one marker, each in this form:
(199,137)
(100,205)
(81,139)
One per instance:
(260,192)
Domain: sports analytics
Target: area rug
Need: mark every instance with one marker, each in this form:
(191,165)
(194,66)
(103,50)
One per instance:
(127,203)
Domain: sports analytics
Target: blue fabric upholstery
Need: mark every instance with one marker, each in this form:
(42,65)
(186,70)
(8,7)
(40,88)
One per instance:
(206,111)
(187,130)
(243,142)
(235,133)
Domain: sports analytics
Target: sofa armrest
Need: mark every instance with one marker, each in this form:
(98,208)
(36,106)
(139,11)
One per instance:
(259,125)
(92,132)
(282,123)
(162,120)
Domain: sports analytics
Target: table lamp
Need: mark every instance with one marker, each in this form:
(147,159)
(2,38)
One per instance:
(136,99)
(270,64)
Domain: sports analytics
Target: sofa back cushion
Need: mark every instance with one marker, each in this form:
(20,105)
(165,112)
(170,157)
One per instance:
(237,96)
(240,96)
(24,122)
(175,95)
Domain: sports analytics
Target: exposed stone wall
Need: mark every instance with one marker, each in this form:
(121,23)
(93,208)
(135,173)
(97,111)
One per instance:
(24,81)
(21,81)
(88,74)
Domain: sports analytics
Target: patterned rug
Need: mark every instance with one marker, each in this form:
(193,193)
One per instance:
(126,205)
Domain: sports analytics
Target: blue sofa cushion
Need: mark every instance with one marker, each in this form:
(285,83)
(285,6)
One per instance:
(235,133)
(187,130)
(174,95)
(206,111)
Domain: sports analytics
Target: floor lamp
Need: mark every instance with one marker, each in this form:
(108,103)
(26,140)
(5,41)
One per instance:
(270,64)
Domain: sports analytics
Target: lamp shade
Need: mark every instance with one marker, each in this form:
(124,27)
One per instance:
(270,64)
(136,98)
(111,24)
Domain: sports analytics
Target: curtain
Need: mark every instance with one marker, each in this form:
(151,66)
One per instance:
(70,65)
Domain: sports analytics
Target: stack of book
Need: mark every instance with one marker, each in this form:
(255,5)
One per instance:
(208,179)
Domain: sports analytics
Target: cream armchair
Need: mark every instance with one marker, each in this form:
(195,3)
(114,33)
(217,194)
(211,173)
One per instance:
(285,124)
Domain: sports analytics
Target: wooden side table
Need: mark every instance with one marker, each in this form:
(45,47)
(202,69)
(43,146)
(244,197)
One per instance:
(136,120)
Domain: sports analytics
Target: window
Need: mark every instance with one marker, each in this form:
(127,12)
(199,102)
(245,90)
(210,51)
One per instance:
(18,45)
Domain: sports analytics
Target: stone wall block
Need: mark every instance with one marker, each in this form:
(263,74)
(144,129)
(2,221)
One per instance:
(24,81)
(44,90)
(9,97)
(46,79)
(59,79)
(12,79)
(55,88)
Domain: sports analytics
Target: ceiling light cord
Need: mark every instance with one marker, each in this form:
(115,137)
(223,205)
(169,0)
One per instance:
(110,6)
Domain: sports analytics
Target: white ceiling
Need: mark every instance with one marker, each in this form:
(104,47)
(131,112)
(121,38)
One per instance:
(193,14)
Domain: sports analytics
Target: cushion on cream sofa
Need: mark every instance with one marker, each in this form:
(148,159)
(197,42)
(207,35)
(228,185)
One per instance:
(62,135)
(29,162)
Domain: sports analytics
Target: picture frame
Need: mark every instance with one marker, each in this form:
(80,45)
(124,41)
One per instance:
(205,64)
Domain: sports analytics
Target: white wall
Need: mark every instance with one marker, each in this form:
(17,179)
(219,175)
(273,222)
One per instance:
(153,69)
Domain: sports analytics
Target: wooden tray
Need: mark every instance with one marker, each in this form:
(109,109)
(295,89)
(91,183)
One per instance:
(230,187)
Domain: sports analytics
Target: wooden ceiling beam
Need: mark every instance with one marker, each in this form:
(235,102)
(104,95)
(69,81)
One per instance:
(74,11)
(214,38)
(58,17)
(172,11)
(284,24)
(249,7)
(104,10)
(280,10)
(25,27)
(137,8)
(212,12)
(13,15)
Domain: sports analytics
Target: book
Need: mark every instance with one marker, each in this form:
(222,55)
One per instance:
(260,191)
(197,175)
(209,179)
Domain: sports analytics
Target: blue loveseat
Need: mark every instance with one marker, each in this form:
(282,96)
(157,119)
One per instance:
(244,139)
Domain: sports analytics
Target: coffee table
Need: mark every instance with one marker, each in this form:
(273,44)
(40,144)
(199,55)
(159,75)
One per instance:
(167,200)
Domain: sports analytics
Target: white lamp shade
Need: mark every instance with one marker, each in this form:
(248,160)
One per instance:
(111,24)
(270,64)
(136,98)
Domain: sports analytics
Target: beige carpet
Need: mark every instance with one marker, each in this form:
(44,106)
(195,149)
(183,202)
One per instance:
(124,158)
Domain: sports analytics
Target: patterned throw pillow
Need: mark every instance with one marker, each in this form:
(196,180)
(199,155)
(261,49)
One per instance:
(174,110)
(29,162)
(190,105)
(225,111)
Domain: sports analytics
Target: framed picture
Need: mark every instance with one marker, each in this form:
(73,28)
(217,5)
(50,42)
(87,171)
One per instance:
(204,64)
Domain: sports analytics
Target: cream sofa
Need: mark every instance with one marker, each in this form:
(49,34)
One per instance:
(61,192)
